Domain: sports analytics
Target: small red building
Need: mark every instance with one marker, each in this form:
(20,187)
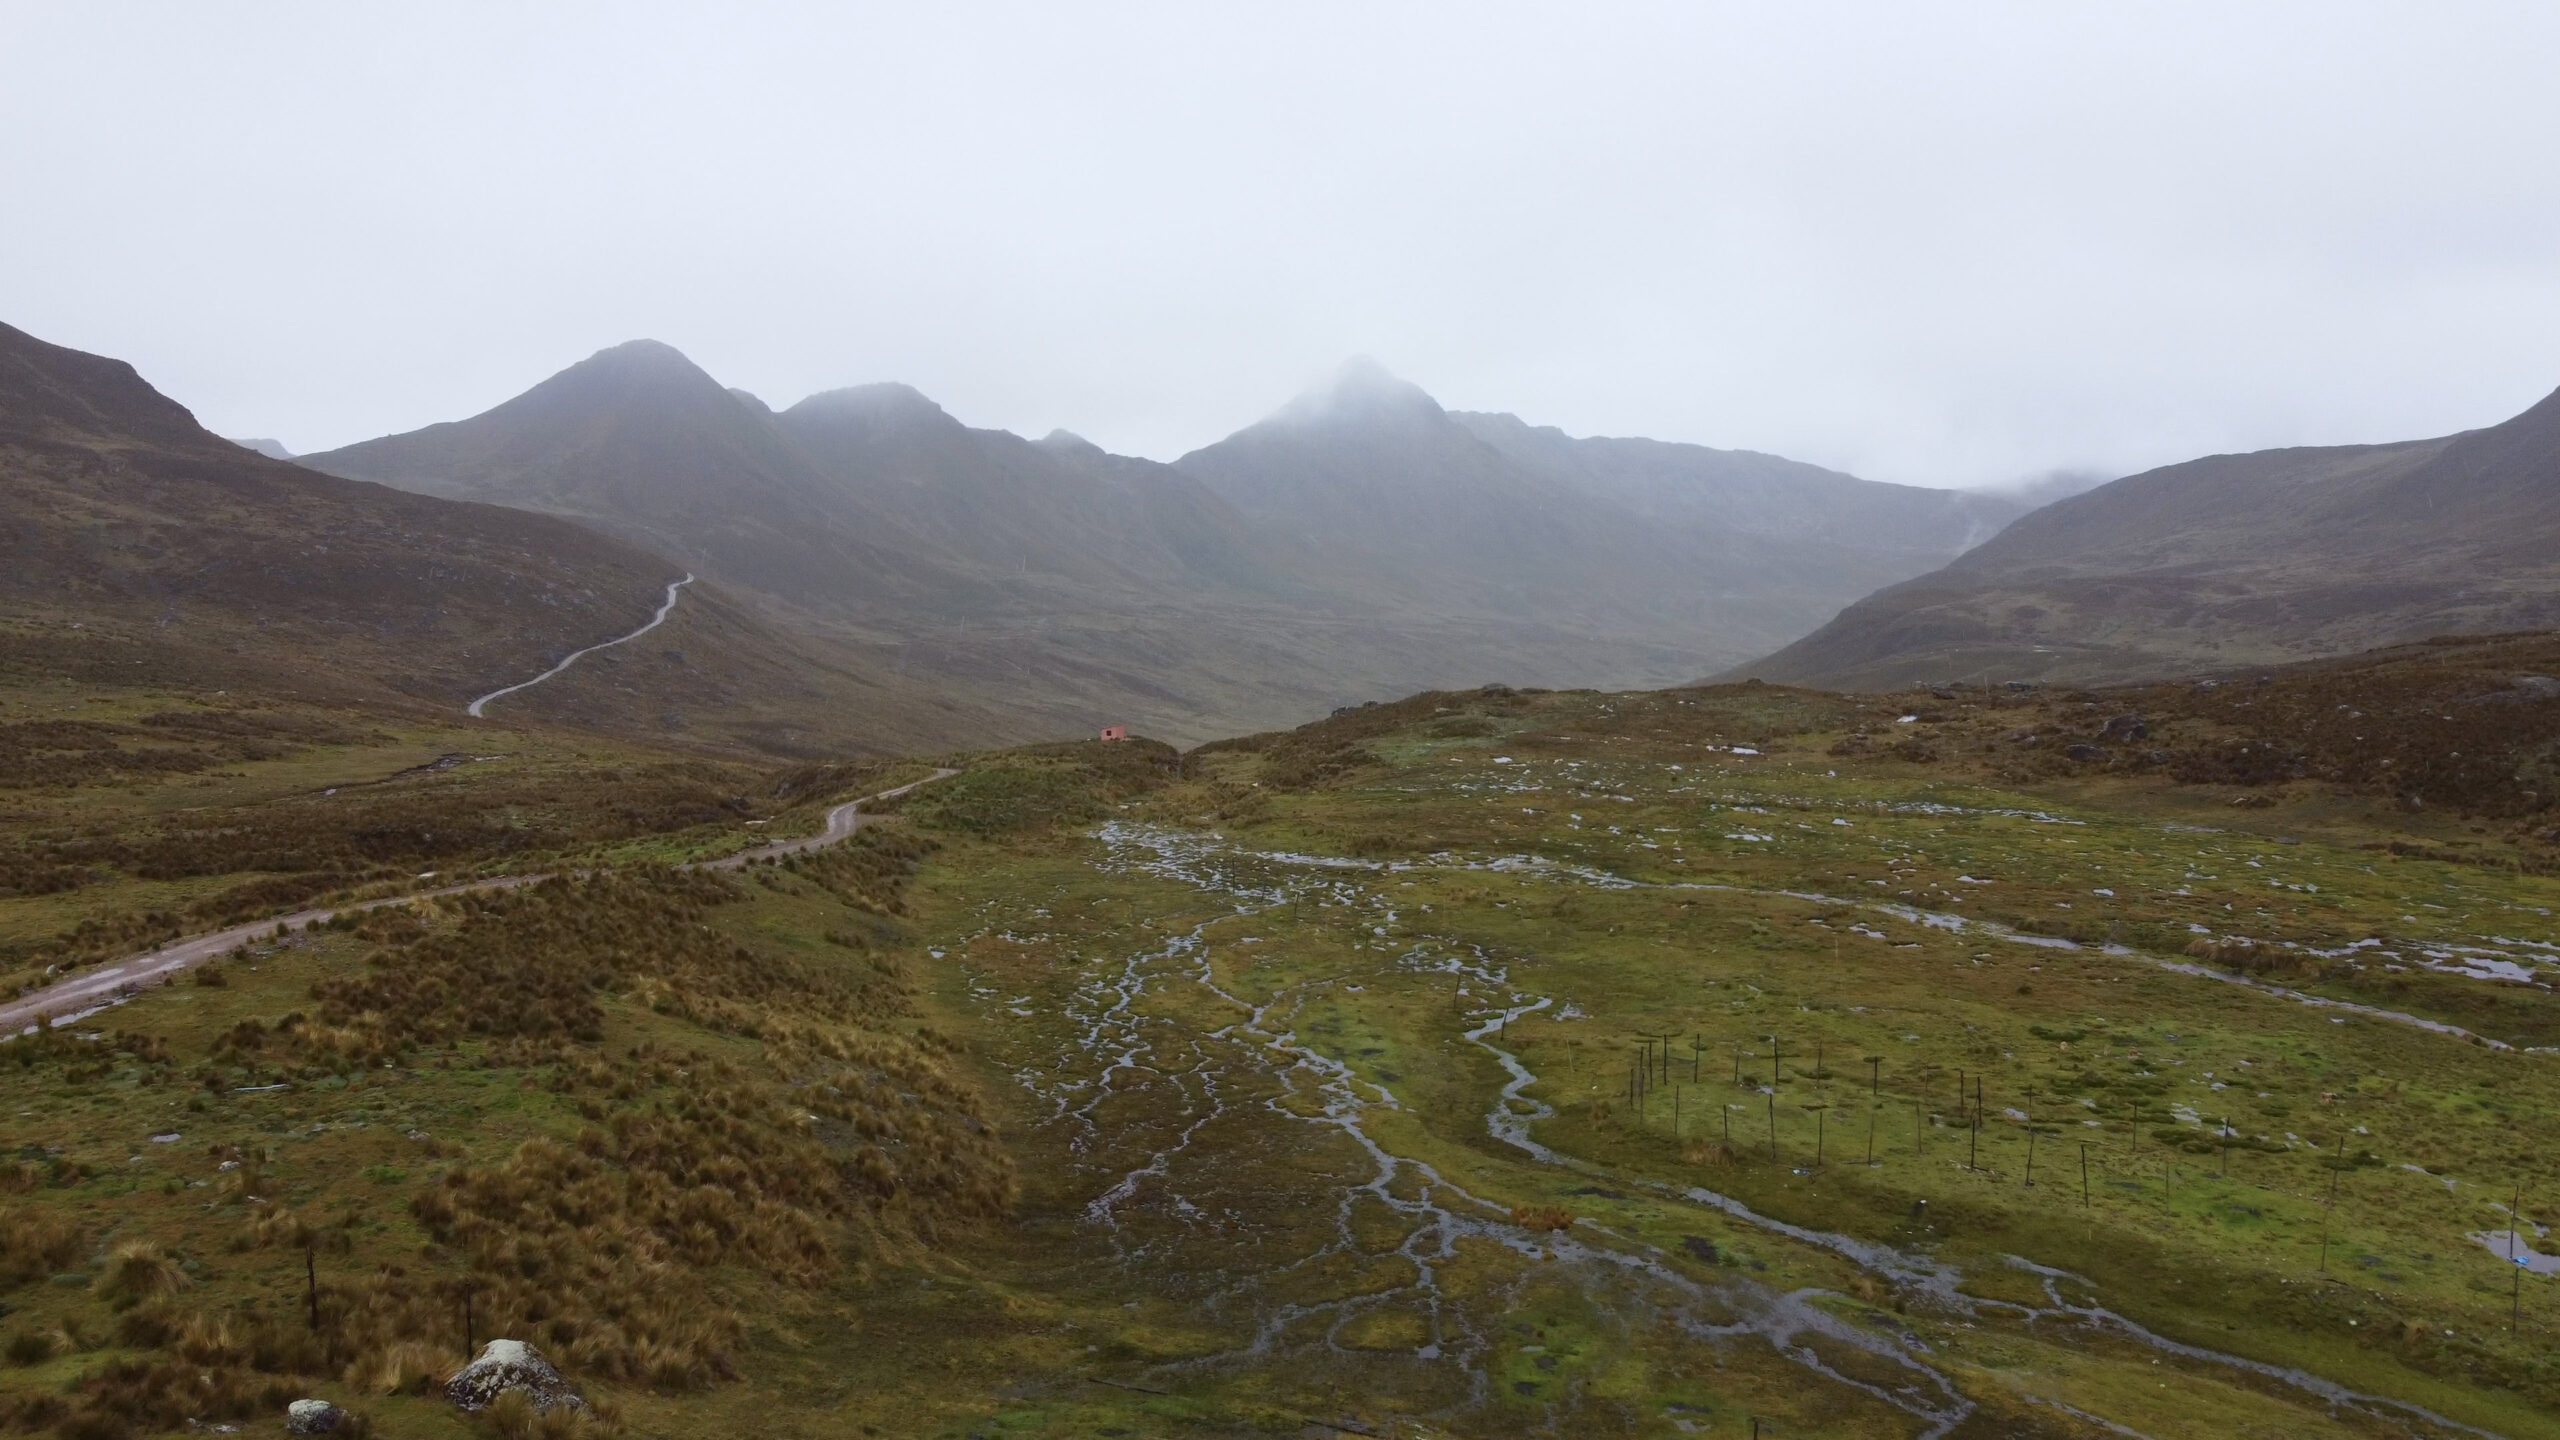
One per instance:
(1115,732)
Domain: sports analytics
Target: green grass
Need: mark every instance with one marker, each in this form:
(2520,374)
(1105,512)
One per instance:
(1220,1021)
(1731,941)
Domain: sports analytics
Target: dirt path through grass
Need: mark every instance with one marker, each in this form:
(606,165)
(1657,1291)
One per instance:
(77,996)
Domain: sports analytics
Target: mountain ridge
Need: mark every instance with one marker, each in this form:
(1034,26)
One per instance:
(1357,541)
(2237,559)
(144,547)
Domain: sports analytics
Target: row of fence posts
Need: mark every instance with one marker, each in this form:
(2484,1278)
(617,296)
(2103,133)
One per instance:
(1650,1068)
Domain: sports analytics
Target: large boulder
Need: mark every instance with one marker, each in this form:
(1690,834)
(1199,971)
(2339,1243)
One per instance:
(510,1365)
(313,1417)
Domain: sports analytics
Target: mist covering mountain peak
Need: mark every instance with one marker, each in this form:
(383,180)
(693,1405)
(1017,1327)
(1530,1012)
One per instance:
(885,406)
(1360,541)
(1069,442)
(1360,391)
(632,367)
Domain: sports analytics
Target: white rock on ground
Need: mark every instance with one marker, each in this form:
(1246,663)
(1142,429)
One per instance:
(312,1417)
(510,1365)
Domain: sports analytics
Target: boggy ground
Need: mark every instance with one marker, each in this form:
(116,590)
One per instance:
(1323,1070)
(1376,1078)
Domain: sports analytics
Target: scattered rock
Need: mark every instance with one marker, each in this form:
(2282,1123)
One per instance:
(2020,686)
(313,1417)
(2125,727)
(2540,687)
(510,1365)
(2085,751)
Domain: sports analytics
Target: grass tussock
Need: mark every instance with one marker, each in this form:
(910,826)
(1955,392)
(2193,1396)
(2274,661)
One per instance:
(36,1242)
(131,1397)
(137,1271)
(514,1416)
(1542,1217)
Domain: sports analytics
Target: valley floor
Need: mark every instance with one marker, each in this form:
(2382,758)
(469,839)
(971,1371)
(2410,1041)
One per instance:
(1342,1107)
(1504,1064)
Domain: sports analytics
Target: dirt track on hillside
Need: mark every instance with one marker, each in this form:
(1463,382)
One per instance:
(76,996)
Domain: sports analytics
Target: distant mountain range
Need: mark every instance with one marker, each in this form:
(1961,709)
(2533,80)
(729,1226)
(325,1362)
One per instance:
(1360,543)
(2232,560)
(143,548)
(875,574)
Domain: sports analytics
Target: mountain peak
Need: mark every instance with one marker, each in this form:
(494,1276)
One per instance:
(1361,390)
(1068,442)
(650,373)
(882,408)
(639,360)
(883,397)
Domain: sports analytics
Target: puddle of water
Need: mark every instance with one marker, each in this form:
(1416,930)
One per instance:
(2524,1254)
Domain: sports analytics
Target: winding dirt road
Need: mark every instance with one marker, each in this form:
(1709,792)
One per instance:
(476,707)
(78,996)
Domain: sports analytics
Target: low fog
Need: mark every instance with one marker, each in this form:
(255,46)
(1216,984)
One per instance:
(1971,244)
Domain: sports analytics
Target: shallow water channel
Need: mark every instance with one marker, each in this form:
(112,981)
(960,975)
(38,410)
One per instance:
(1256,1187)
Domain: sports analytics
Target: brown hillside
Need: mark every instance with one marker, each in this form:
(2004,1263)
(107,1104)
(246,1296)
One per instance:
(2229,560)
(144,549)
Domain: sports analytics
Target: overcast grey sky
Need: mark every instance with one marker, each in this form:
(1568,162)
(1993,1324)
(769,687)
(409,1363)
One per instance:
(1947,244)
